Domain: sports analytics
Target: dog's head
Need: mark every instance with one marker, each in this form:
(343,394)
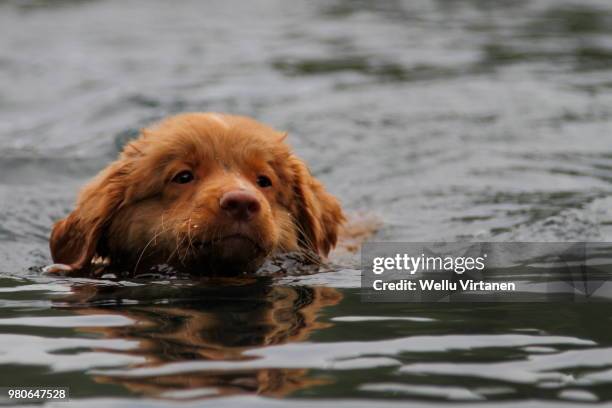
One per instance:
(206,191)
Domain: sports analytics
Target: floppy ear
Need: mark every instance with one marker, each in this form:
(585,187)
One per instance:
(76,239)
(318,213)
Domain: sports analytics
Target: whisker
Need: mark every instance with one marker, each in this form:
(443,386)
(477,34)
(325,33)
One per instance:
(157,234)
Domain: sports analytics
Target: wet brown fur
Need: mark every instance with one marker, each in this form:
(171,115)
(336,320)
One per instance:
(132,213)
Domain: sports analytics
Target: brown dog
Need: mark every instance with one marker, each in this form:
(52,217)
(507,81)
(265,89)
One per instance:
(203,192)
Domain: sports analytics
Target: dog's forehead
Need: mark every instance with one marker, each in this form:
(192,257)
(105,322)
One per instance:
(225,139)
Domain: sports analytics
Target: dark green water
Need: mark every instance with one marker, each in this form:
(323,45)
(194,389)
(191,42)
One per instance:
(231,339)
(449,120)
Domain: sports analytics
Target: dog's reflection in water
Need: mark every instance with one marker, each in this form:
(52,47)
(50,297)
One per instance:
(219,320)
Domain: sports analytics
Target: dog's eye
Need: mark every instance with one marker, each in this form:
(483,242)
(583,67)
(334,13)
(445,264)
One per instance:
(183,177)
(264,181)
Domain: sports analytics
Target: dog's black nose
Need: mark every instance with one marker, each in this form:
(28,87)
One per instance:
(240,205)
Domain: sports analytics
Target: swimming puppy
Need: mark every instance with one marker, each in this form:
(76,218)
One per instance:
(207,193)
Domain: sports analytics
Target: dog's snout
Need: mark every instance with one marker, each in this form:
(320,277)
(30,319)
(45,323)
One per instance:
(240,205)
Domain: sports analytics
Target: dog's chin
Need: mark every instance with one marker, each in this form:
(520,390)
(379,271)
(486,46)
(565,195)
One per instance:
(229,256)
